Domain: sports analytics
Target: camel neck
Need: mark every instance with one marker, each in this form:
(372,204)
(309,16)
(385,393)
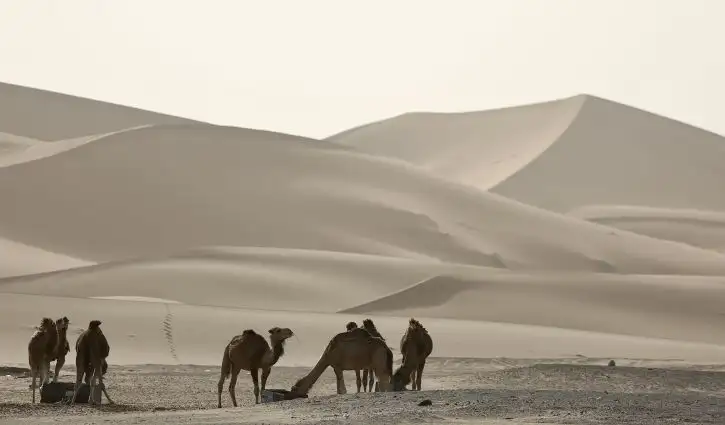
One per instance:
(277,350)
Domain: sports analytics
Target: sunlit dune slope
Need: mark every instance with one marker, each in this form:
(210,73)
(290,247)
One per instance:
(162,189)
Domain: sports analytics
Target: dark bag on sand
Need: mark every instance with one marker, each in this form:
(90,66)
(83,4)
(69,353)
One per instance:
(272,395)
(55,392)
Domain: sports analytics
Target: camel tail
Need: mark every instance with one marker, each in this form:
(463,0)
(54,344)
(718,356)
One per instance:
(226,363)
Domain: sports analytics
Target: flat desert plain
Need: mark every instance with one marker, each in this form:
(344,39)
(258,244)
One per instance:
(534,243)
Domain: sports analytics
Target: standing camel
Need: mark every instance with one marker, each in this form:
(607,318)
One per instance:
(91,351)
(416,345)
(358,382)
(369,326)
(62,347)
(250,351)
(352,350)
(41,349)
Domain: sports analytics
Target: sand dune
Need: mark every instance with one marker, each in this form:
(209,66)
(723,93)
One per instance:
(49,116)
(671,307)
(477,148)
(705,229)
(19,259)
(10,143)
(560,155)
(162,189)
(179,234)
(254,278)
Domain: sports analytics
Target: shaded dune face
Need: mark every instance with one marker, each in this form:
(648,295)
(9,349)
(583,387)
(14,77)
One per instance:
(518,229)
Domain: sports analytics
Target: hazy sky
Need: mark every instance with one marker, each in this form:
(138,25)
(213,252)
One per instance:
(315,67)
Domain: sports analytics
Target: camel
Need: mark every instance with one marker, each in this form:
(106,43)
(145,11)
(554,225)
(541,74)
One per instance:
(370,327)
(62,347)
(41,349)
(352,350)
(91,351)
(350,326)
(250,351)
(416,345)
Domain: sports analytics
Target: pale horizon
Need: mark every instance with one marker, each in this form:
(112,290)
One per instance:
(322,67)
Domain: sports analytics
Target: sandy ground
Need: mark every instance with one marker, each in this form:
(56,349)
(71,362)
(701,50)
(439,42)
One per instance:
(580,391)
(570,231)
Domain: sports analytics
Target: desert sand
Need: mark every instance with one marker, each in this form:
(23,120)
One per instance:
(569,232)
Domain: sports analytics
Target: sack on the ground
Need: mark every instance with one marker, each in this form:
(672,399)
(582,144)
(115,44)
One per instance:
(55,392)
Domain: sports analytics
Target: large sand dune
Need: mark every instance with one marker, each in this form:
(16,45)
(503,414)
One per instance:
(179,234)
(161,189)
(560,155)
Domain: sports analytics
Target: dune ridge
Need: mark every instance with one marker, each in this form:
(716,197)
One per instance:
(179,234)
(559,155)
(686,308)
(49,116)
(704,229)
(18,259)
(477,148)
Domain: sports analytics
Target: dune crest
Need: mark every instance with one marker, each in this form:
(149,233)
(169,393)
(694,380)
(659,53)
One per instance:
(477,148)
(49,116)
(18,259)
(559,155)
(685,308)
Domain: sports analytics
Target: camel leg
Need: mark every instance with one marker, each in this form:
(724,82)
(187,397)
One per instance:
(265,374)
(365,373)
(92,391)
(34,375)
(372,381)
(79,378)
(358,381)
(44,371)
(220,387)
(233,384)
(103,388)
(58,365)
(255,380)
(94,384)
(419,374)
(340,381)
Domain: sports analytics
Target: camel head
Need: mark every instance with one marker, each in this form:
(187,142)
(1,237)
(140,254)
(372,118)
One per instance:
(280,334)
(62,324)
(400,380)
(350,326)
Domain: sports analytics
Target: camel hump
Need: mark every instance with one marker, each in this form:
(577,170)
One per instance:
(351,326)
(248,332)
(46,323)
(94,324)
